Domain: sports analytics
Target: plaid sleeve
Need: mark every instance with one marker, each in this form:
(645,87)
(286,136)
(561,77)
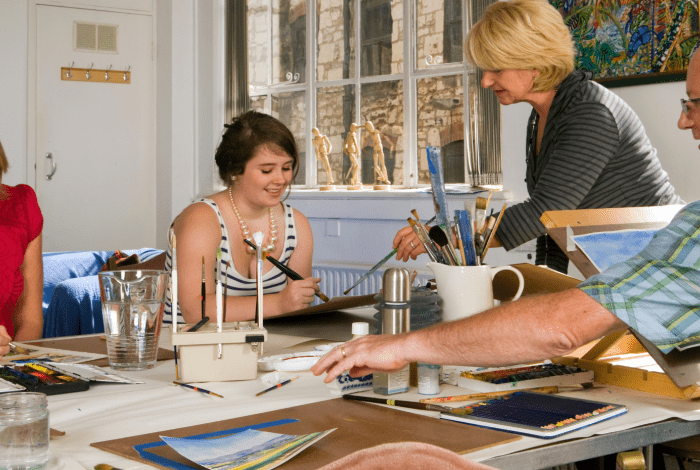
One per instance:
(657,292)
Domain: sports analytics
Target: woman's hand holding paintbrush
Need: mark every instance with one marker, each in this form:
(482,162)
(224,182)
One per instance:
(288,271)
(409,241)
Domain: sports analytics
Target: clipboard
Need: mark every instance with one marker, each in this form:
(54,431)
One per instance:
(682,368)
(358,426)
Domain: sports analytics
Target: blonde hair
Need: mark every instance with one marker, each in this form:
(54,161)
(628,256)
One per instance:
(4,165)
(523,34)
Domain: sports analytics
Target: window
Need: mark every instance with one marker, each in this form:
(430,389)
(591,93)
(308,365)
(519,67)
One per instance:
(319,80)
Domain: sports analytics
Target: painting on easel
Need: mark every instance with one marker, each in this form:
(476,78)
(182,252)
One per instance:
(632,42)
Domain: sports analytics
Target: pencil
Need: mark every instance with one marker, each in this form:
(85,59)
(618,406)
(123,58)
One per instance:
(204,291)
(276,386)
(481,396)
(289,272)
(198,389)
(405,404)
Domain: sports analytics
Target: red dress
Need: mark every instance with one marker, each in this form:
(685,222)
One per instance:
(20,223)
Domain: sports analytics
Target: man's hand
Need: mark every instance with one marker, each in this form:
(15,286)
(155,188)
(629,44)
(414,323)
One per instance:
(362,356)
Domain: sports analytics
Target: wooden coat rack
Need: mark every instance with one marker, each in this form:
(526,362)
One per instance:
(72,74)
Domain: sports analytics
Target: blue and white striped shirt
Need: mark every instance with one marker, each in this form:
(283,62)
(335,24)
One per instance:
(233,282)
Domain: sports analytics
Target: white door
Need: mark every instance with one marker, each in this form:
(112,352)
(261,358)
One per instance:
(101,136)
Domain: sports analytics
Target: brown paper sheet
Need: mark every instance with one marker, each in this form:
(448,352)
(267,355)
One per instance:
(359,425)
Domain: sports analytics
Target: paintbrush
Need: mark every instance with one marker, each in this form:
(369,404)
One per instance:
(204,291)
(493,232)
(480,214)
(173,296)
(374,268)
(409,404)
(104,466)
(424,238)
(290,272)
(439,236)
(17,349)
(285,382)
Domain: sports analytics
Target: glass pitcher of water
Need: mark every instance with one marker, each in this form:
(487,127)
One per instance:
(133,302)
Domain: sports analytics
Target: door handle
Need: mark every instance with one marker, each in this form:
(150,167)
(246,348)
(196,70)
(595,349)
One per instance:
(53,166)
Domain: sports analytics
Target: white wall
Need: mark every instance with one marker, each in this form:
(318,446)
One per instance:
(13,88)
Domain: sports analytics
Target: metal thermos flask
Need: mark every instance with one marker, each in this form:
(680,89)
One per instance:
(396,311)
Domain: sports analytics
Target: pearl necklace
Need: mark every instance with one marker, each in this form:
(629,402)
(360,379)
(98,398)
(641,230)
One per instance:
(244,228)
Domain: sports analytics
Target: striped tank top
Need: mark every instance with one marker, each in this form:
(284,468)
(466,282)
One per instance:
(232,281)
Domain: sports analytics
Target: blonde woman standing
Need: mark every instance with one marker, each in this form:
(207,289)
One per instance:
(586,148)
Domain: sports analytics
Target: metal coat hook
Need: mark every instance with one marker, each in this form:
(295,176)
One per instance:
(70,67)
(107,72)
(87,74)
(126,71)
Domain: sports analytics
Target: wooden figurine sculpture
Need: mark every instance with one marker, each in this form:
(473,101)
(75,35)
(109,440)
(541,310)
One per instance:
(381,179)
(323,147)
(352,148)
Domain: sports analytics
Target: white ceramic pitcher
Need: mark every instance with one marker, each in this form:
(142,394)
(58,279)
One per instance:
(466,290)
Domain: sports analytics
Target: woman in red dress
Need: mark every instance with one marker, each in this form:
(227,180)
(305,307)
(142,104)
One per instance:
(21,268)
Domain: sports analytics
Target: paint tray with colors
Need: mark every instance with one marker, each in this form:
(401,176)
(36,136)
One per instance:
(535,414)
(40,377)
(523,377)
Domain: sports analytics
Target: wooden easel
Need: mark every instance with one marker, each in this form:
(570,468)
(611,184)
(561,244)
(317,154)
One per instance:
(598,357)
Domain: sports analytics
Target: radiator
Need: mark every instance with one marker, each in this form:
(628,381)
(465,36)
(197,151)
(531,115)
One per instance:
(337,279)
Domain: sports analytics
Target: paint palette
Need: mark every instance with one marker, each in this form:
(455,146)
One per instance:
(40,377)
(523,377)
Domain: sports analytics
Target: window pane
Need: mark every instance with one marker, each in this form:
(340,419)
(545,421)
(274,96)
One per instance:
(290,108)
(288,41)
(257,103)
(441,124)
(336,40)
(438,32)
(382,104)
(336,111)
(258,40)
(382,42)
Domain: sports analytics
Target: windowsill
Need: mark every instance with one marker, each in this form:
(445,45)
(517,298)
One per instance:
(394,193)
(386,205)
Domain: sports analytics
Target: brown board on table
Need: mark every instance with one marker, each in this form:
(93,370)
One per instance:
(89,344)
(358,426)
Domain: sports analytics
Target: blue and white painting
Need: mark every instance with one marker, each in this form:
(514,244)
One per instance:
(607,248)
(250,449)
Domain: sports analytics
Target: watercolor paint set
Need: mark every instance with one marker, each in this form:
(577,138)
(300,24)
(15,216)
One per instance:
(523,377)
(39,377)
(535,414)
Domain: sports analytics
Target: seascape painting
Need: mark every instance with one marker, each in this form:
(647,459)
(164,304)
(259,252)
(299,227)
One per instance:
(627,42)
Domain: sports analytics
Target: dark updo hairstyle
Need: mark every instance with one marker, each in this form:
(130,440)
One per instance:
(243,138)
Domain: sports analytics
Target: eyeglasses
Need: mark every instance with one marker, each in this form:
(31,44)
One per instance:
(687,109)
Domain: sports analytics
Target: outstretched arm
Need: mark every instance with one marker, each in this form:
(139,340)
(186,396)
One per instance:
(530,329)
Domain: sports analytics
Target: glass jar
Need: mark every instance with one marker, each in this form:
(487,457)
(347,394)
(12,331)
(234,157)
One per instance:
(24,431)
